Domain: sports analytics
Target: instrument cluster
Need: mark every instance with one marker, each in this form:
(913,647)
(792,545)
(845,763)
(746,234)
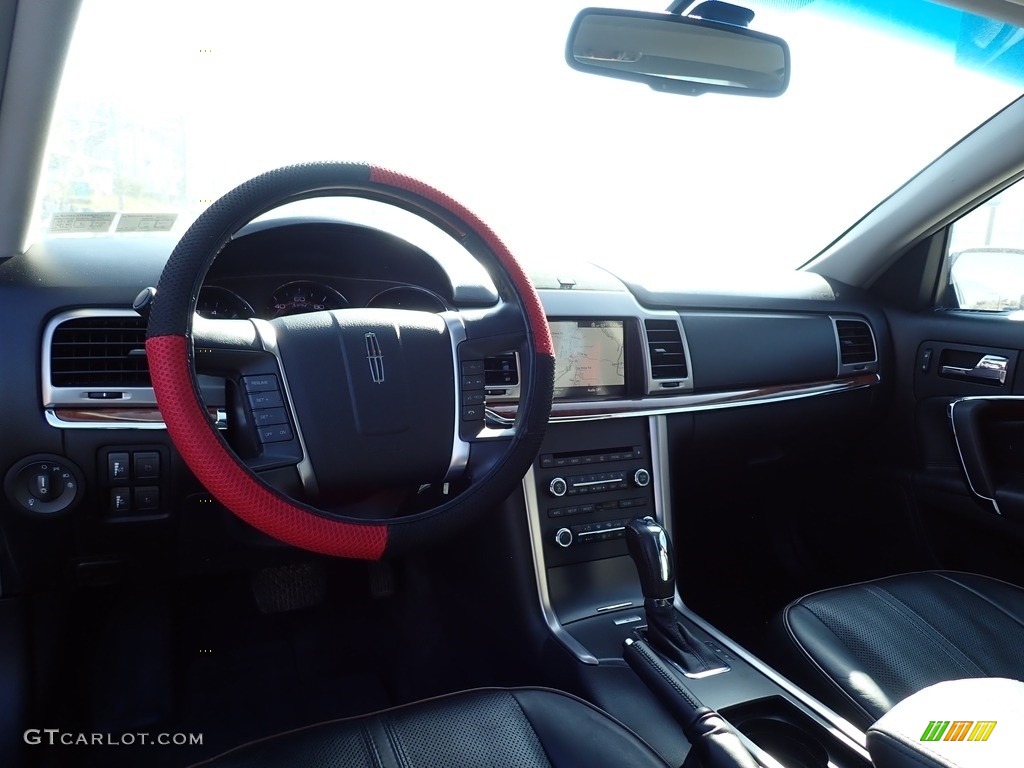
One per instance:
(296,297)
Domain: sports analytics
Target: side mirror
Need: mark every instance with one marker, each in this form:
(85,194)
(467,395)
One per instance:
(987,278)
(678,54)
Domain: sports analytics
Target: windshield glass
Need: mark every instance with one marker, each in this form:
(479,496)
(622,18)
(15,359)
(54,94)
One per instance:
(162,112)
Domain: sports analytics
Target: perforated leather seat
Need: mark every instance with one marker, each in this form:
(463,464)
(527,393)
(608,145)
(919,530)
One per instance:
(510,728)
(863,648)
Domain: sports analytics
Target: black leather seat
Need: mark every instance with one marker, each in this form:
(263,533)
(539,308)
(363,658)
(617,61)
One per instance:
(863,648)
(510,728)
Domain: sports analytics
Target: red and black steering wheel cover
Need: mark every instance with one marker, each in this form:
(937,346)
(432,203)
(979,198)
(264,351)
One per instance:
(169,351)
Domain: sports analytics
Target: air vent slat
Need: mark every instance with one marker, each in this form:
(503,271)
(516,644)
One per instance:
(856,344)
(665,345)
(99,352)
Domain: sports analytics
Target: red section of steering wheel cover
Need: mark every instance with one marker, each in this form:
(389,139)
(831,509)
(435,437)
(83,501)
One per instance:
(234,486)
(535,312)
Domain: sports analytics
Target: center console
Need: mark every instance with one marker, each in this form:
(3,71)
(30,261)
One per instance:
(590,480)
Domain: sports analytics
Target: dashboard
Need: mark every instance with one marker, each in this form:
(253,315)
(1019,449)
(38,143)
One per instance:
(744,371)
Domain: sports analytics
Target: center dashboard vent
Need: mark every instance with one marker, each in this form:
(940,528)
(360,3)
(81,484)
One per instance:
(99,351)
(665,347)
(857,349)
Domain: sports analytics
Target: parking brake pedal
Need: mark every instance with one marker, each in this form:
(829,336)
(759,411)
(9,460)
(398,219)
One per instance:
(289,587)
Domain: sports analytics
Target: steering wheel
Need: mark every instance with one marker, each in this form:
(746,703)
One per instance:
(334,403)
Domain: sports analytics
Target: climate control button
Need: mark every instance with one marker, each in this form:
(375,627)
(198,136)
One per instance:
(642,478)
(563,537)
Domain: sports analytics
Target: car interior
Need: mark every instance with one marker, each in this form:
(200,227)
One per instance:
(288,483)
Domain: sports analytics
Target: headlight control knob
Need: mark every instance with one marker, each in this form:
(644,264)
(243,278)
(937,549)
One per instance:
(558,487)
(43,484)
(642,478)
(563,538)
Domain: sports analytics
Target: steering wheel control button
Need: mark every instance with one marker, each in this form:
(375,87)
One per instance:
(558,487)
(473,382)
(563,538)
(270,416)
(263,383)
(278,433)
(472,413)
(472,367)
(473,398)
(120,500)
(118,467)
(642,478)
(259,400)
(146,465)
(147,499)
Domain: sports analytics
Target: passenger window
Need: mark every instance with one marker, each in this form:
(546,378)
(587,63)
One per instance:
(986,255)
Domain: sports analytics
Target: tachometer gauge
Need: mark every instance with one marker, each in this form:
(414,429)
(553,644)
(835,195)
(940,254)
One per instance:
(408,297)
(220,303)
(305,296)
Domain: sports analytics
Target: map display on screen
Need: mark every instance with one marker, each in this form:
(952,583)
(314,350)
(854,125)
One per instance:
(589,358)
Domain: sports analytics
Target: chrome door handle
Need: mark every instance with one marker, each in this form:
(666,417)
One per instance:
(991,368)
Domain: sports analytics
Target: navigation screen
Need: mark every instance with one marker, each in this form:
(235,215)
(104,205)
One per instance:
(589,359)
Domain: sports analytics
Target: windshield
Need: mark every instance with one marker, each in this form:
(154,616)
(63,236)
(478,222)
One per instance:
(161,112)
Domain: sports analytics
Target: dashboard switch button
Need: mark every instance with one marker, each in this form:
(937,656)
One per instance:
(117,467)
(147,499)
(120,500)
(146,465)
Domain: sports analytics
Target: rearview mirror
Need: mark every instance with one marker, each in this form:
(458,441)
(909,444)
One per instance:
(678,54)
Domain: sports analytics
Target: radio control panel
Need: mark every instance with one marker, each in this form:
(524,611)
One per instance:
(586,495)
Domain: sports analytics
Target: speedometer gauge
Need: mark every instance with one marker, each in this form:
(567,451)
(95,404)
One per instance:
(305,296)
(220,303)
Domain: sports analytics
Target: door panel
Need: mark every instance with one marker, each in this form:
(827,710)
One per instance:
(967,481)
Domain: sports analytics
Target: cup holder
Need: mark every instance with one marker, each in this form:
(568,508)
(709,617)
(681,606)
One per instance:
(788,744)
(795,740)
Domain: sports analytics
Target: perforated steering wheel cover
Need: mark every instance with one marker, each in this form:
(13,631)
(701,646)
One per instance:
(169,350)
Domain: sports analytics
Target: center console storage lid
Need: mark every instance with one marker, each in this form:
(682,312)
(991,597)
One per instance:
(972,723)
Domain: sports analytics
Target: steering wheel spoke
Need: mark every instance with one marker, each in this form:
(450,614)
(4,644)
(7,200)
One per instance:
(261,424)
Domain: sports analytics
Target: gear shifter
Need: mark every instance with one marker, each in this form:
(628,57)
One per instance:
(651,550)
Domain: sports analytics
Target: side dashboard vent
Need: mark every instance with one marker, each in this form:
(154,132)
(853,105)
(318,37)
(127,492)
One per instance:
(102,352)
(501,370)
(856,344)
(501,378)
(665,346)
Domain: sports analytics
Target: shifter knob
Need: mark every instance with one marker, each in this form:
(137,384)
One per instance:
(652,554)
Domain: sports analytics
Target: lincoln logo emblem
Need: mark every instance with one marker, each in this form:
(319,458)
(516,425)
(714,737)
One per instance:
(375,358)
